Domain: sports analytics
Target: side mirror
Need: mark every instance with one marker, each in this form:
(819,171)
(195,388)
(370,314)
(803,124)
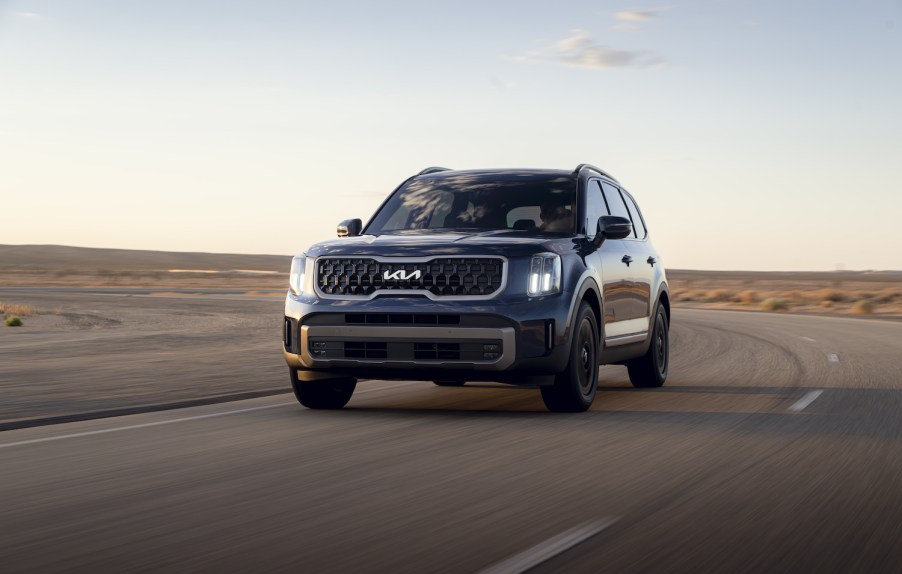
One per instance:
(612,227)
(350,228)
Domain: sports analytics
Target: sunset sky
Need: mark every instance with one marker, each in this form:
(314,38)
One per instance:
(755,135)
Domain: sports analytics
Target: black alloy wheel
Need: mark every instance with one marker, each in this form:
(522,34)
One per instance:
(574,389)
(650,370)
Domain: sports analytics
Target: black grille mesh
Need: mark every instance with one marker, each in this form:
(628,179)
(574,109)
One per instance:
(442,276)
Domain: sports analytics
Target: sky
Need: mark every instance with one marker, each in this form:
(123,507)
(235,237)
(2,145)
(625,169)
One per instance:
(761,135)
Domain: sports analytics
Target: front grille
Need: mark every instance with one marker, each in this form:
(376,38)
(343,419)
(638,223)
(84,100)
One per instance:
(442,276)
(365,350)
(436,351)
(470,351)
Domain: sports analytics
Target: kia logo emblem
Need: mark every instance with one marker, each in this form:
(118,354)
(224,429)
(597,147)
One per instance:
(401,275)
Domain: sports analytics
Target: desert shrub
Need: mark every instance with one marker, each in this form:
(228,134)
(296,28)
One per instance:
(677,294)
(749,297)
(13,321)
(863,307)
(721,295)
(684,295)
(775,304)
(888,295)
(826,303)
(832,295)
(793,296)
(20,310)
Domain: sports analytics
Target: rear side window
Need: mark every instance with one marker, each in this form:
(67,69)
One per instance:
(595,207)
(638,224)
(615,202)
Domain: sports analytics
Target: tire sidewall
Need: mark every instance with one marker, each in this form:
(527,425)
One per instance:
(660,313)
(585,314)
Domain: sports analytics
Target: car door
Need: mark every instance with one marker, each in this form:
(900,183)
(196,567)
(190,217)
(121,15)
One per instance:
(627,280)
(595,207)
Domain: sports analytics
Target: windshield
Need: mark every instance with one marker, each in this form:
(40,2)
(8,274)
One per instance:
(521,201)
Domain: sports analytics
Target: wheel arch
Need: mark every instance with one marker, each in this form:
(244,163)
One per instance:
(588,291)
(663,298)
(591,297)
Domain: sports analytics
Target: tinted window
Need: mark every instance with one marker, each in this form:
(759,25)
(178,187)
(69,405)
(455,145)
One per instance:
(530,215)
(638,224)
(595,207)
(615,202)
(478,201)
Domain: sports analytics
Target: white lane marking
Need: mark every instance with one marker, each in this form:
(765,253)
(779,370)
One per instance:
(802,403)
(550,548)
(171,421)
(809,339)
(833,358)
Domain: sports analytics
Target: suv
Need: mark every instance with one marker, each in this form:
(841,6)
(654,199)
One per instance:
(520,276)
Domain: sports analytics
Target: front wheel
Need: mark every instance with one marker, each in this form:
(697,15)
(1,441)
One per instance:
(650,370)
(323,394)
(574,389)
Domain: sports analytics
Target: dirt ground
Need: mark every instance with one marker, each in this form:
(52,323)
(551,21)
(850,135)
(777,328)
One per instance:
(84,352)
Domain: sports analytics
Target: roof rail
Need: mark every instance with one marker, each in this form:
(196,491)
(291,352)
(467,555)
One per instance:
(583,166)
(434,169)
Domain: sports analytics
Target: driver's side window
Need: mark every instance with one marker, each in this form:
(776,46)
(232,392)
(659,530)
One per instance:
(595,207)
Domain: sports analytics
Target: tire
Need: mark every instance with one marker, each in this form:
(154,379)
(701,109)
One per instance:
(449,383)
(574,389)
(650,370)
(323,394)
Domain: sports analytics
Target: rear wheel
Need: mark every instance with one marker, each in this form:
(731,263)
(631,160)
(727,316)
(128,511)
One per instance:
(650,370)
(574,389)
(449,383)
(323,394)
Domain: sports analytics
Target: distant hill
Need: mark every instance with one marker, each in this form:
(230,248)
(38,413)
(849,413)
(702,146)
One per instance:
(44,257)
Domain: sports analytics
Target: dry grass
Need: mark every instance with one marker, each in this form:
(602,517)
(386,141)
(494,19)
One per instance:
(722,296)
(888,295)
(863,307)
(775,304)
(788,293)
(749,297)
(19,310)
(832,295)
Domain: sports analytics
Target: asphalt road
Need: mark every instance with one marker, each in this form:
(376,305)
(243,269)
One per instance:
(775,446)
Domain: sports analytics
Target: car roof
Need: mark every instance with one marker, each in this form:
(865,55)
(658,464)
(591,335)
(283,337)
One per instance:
(510,172)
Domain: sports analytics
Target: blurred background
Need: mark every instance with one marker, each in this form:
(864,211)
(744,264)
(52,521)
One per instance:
(254,127)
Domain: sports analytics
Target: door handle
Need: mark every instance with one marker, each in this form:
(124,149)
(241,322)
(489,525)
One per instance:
(651,261)
(626,259)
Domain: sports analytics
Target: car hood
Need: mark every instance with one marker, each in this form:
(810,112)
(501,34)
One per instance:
(507,243)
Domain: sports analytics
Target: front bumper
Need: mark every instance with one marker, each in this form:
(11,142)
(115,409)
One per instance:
(324,346)
(418,338)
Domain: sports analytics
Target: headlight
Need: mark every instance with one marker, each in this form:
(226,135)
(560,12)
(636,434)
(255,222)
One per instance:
(296,277)
(544,274)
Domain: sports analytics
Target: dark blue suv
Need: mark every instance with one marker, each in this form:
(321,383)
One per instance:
(522,276)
